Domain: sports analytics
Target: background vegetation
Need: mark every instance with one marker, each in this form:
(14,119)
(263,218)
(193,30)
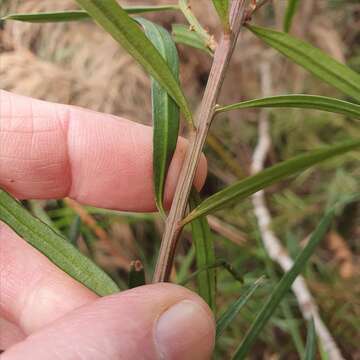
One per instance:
(77,63)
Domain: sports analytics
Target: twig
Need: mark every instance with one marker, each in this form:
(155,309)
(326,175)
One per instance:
(197,139)
(253,8)
(272,244)
(226,230)
(219,263)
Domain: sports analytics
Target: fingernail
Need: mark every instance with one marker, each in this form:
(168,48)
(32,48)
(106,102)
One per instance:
(185,331)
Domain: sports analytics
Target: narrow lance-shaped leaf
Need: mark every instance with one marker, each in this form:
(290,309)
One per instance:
(290,13)
(312,59)
(75,15)
(229,315)
(114,19)
(136,274)
(222,8)
(165,112)
(54,246)
(310,350)
(205,254)
(246,187)
(74,230)
(298,101)
(282,288)
(183,35)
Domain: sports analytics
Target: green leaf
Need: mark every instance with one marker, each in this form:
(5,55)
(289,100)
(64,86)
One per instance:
(222,8)
(292,325)
(114,19)
(183,35)
(283,287)
(75,15)
(165,112)
(136,274)
(299,101)
(74,230)
(54,246)
(312,59)
(229,315)
(205,255)
(46,17)
(290,13)
(250,185)
(310,351)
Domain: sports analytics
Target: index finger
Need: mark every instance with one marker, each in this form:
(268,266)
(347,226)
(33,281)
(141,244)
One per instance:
(53,151)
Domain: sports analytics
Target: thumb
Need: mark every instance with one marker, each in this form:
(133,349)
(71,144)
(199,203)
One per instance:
(160,321)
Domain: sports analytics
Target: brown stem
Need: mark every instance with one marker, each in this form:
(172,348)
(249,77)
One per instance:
(196,142)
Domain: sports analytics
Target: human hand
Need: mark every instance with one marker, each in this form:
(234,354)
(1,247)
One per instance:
(52,151)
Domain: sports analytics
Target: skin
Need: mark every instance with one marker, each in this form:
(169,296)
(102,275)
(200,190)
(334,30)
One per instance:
(52,151)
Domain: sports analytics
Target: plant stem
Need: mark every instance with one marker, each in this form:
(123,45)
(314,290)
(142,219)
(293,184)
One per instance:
(192,20)
(196,142)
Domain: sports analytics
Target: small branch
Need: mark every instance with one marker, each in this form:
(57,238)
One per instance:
(272,244)
(226,230)
(253,8)
(219,263)
(196,143)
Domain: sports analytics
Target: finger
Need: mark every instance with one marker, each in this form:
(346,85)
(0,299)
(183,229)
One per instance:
(159,321)
(34,292)
(52,151)
(10,334)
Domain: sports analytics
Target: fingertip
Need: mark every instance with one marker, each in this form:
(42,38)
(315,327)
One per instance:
(201,173)
(185,331)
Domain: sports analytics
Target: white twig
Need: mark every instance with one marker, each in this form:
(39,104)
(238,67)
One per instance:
(272,244)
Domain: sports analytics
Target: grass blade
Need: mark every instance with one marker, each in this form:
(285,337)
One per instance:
(290,13)
(136,274)
(292,325)
(75,15)
(114,19)
(298,101)
(225,320)
(250,185)
(54,246)
(283,287)
(310,350)
(312,59)
(75,230)
(205,255)
(183,35)
(222,8)
(165,112)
